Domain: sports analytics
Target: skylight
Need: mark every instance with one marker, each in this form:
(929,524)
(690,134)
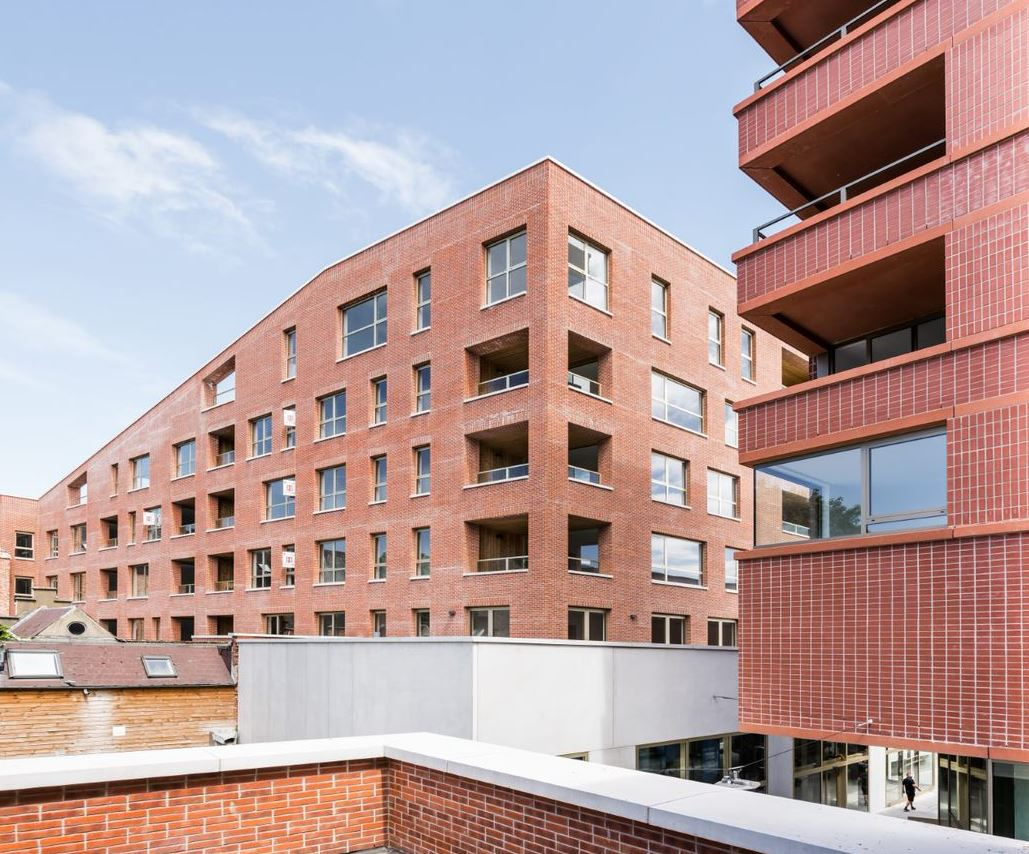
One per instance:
(158,666)
(33,664)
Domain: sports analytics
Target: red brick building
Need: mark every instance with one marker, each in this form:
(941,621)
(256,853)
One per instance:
(460,428)
(885,602)
(19,542)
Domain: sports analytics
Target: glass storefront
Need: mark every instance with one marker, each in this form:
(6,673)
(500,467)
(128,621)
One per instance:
(707,760)
(962,792)
(919,764)
(832,773)
(1011,800)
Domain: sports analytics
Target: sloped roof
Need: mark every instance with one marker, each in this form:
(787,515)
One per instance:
(120,665)
(39,620)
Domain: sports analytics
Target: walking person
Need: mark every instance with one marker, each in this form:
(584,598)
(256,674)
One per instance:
(910,786)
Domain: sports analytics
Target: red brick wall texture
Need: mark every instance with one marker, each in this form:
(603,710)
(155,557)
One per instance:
(320,809)
(547,201)
(926,638)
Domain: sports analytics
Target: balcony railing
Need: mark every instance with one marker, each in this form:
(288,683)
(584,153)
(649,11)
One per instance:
(504,473)
(844,191)
(112,542)
(798,530)
(224,584)
(187,588)
(508,381)
(189,528)
(838,33)
(583,475)
(583,564)
(225,522)
(224,458)
(578,381)
(503,564)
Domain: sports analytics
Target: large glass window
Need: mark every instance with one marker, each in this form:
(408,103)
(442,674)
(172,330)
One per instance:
(505,268)
(332,415)
(707,760)
(280,497)
(587,272)
(886,345)
(676,402)
(658,308)
(332,561)
(832,773)
(364,324)
(892,485)
(332,488)
(676,560)
(260,569)
(667,479)
(489,622)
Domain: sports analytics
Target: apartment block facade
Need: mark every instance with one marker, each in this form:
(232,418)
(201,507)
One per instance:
(885,600)
(19,544)
(511,418)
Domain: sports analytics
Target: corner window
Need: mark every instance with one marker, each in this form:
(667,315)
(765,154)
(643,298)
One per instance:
(723,494)
(186,458)
(24,545)
(676,402)
(423,301)
(747,355)
(280,498)
(658,308)
(895,484)
(676,560)
(159,667)
(715,337)
(587,272)
(505,268)
(290,347)
(332,488)
(332,415)
(364,324)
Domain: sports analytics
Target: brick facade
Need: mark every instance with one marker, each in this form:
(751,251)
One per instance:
(920,632)
(548,202)
(16,514)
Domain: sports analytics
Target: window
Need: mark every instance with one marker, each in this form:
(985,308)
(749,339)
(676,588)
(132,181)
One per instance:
(289,340)
(278,624)
(152,524)
(887,344)
(224,390)
(289,422)
(78,539)
(489,622)
(379,556)
(260,569)
(186,458)
(332,488)
(505,268)
(715,336)
(114,479)
(723,494)
(140,580)
(587,272)
(289,566)
(109,586)
(332,624)
(159,667)
(587,624)
(22,585)
(379,401)
(132,526)
(423,301)
(332,561)
(669,628)
(261,436)
(732,426)
(707,760)
(379,624)
(332,415)
(110,626)
(423,388)
(747,355)
(379,478)
(421,623)
(732,570)
(658,308)
(721,632)
(668,480)
(78,587)
(55,543)
(894,484)
(33,664)
(422,551)
(676,560)
(364,324)
(280,498)
(676,403)
(422,470)
(24,545)
(141,472)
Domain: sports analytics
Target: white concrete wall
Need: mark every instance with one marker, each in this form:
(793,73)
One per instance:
(550,696)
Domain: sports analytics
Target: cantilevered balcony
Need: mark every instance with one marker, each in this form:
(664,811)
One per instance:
(498,365)
(500,454)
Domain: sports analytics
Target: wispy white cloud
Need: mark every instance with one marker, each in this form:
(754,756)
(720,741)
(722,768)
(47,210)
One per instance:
(133,174)
(406,169)
(29,326)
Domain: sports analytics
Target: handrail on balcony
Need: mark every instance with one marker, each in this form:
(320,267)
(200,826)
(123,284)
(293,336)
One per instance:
(504,473)
(583,564)
(585,475)
(225,457)
(112,542)
(582,383)
(186,588)
(225,522)
(224,584)
(503,564)
(507,381)
(839,32)
(191,528)
(794,528)
(759,232)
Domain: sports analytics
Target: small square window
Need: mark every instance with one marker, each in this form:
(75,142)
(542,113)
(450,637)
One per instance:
(159,667)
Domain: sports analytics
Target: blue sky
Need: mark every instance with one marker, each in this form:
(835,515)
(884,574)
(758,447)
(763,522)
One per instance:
(168,173)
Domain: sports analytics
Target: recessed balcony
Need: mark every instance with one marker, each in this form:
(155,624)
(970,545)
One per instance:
(498,365)
(498,455)
(501,544)
(589,455)
(589,367)
(585,542)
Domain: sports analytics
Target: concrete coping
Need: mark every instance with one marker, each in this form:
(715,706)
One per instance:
(475,639)
(744,819)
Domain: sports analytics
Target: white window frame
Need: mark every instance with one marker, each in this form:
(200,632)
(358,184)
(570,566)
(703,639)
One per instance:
(260,569)
(290,343)
(332,574)
(723,494)
(716,337)
(660,406)
(586,614)
(723,623)
(732,570)
(288,504)
(23,551)
(748,356)
(423,300)
(660,571)
(282,623)
(380,408)
(183,469)
(378,323)
(289,573)
(380,478)
(666,619)
(422,565)
(508,269)
(141,478)
(423,470)
(732,426)
(335,621)
(423,387)
(261,436)
(336,499)
(338,421)
(289,431)
(659,312)
(666,486)
(379,560)
(490,621)
(590,250)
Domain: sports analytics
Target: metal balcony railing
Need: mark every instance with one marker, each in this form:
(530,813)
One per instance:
(508,381)
(504,473)
(224,458)
(112,542)
(186,588)
(225,522)
(578,381)
(224,584)
(503,564)
(838,33)
(844,191)
(798,530)
(190,528)
(583,564)
(584,475)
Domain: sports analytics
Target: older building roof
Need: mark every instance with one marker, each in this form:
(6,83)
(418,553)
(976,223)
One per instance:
(85,664)
(37,621)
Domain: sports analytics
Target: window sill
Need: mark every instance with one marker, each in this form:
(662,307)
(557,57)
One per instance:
(179,536)
(328,584)
(278,519)
(419,495)
(361,352)
(257,589)
(423,329)
(183,476)
(289,379)
(218,592)
(494,482)
(678,427)
(287,587)
(495,393)
(590,305)
(108,599)
(589,394)
(137,489)
(287,448)
(216,405)
(101,549)
(716,365)
(173,595)
(734,590)
(671,503)
(376,424)
(380,501)
(329,510)
(376,580)
(590,574)
(594,485)
(135,598)
(258,457)
(53,557)
(73,554)
(752,382)
(71,507)
(421,412)
(494,572)
(684,584)
(212,530)
(152,540)
(222,466)
(329,438)
(419,577)
(720,516)
(502,301)
(660,338)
